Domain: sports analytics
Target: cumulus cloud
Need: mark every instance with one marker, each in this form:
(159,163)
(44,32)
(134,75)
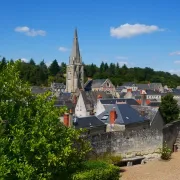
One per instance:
(177,62)
(175,53)
(30,32)
(128,30)
(63,49)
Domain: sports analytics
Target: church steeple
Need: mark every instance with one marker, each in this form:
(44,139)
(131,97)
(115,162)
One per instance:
(75,69)
(75,57)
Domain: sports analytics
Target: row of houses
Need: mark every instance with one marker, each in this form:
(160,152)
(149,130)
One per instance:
(102,107)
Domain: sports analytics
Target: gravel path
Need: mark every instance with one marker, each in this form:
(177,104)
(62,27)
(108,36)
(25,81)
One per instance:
(154,170)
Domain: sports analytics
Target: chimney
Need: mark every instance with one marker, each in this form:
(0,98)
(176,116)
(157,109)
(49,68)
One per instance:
(143,97)
(99,97)
(113,116)
(129,90)
(66,120)
(70,111)
(75,100)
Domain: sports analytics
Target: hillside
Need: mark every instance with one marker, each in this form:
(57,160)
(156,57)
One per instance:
(40,74)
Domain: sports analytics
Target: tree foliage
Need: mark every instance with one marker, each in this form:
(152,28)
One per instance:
(169,108)
(40,74)
(33,142)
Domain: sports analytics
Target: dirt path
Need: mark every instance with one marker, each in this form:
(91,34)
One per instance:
(154,170)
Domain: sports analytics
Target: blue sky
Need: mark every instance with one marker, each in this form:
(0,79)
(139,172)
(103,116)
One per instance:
(138,33)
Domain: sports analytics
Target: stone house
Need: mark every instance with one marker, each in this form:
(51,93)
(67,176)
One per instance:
(91,123)
(87,102)
(58,88)
(100,85)
(120,117)
(101,102)
(153,114)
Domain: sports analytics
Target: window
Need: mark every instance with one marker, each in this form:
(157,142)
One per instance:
(105,117)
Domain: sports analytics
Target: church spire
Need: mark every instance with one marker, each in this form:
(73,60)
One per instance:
(75,54)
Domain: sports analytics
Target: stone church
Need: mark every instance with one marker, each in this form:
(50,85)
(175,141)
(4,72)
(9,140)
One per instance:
(75,69)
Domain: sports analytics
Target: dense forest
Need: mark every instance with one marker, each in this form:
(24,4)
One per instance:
(40,74)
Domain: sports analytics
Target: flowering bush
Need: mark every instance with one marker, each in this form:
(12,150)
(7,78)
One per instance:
(165,152)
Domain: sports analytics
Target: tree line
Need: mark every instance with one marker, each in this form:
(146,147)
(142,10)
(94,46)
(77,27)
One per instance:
(41,74)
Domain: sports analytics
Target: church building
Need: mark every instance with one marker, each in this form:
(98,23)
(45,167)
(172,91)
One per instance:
(75,69)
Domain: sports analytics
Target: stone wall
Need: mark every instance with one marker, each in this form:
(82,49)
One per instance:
(132,143)
(170,132)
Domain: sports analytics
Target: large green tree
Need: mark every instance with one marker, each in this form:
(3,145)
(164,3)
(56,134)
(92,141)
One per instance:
(33,142)
(169,108)
(54,68)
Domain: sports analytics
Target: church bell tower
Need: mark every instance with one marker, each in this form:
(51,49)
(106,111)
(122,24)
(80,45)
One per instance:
(75,69)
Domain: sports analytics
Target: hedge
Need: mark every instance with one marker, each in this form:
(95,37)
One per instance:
(97,170)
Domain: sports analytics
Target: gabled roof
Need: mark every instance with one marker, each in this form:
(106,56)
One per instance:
(88,122)
(125,114)
(155,85)
(90,98)
(114,101)
(97,83)
(149,112)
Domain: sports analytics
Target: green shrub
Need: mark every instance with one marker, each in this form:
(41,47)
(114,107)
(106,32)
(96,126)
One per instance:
(115,159)
(165,152)
(90,165)
(109,158)
(97,170)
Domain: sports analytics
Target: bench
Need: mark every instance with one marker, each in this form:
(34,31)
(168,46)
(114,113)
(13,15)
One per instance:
(131,160)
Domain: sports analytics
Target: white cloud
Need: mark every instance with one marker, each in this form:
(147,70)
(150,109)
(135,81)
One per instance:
(128,30)
(121,57)
(175,53)
(30,32)
(176,62)
(63,49)
(24,60)
(173,71)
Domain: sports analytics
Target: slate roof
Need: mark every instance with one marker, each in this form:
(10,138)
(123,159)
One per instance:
(114,101)
(96,83)
(65,96)
(88,122)
(155,85)
(122,94)
(58,86)
(88,85)
(150,112)
(151,92)
(143,86)
(65,100)
(128,84)
(39,90)
(125,114)
(176,92)
(154,104)
(90,98)
(136,93)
